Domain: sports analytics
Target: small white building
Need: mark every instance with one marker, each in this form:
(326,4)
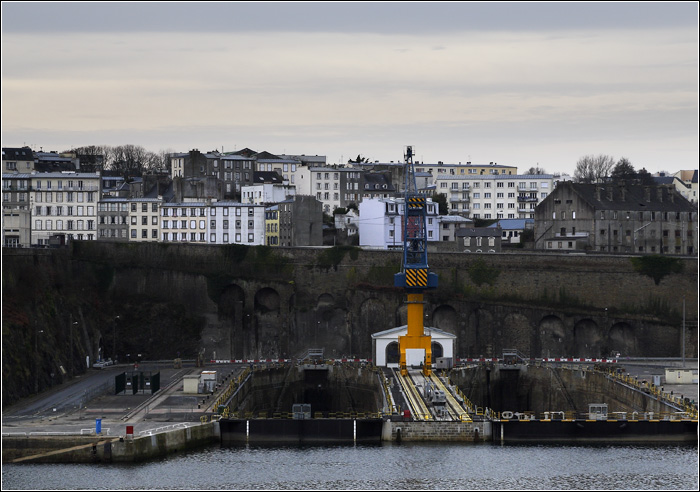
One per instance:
(385,347)
(381,222)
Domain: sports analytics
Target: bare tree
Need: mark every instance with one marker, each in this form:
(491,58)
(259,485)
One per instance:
(536,170)
(593,169)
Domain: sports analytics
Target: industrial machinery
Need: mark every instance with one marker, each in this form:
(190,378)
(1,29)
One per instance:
(414,277)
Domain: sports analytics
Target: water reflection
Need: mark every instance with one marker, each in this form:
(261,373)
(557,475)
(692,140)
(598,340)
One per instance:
(386,466)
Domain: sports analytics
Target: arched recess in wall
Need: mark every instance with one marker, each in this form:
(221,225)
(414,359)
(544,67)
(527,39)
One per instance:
(437,350)
(621,338)
(444,318)
(515,333)
(392,353)
(478,341)
(373,317)
(232,301)
(267,300)
(551,337)
(332,332)
(325,300)
(587,339)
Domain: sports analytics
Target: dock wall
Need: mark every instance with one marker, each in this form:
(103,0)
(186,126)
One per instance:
(436,431)
(109,449)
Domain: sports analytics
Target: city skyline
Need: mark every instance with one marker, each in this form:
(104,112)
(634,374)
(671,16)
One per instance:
(520,84)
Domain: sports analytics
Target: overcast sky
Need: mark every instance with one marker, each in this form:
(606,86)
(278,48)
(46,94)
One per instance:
(520,84)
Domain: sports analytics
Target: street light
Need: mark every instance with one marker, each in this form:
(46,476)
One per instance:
(71,343)
(114,340)
(36,358)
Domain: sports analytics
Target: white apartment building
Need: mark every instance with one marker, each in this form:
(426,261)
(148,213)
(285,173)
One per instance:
(497,196)
(64,203)
(236,223)
(184,222)
(266,193)
(144,223)
(381,222)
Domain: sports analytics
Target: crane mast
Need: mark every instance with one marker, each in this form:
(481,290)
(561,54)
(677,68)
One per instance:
(415,276)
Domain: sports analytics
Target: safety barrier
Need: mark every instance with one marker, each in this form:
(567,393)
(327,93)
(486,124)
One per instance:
(690,409)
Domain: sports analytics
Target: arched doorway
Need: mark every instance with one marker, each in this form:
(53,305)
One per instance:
(392,353)
(437,350)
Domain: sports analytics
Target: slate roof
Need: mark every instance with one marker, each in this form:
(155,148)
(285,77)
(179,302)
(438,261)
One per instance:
(19,154)
(476,231)
(266,177)
(630,197)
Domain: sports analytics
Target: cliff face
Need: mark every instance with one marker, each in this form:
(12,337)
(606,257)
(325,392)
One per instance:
(220,302)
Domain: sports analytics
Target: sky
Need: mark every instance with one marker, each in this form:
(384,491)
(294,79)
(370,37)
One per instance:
(515,83)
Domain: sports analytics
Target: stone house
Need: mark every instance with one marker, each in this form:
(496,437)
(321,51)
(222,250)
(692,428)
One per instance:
(616,218)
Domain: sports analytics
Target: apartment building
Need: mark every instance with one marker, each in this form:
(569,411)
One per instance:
(272,226)
(184,222)
(16,213)
(381,222)
(494,196)
(334,186)
(617,218)
(113,219)
(17,160)
(144,220)
(236,223)
(301,221)
(467,169)
(64,203)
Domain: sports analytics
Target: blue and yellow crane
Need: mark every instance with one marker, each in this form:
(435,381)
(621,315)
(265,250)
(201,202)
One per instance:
(415,276)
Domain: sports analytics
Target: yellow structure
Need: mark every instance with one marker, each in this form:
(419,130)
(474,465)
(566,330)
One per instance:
(415,337)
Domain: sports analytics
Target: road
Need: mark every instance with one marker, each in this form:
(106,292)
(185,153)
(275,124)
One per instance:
(75,407)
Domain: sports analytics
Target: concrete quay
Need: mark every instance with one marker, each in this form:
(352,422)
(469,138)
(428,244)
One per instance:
(61,425)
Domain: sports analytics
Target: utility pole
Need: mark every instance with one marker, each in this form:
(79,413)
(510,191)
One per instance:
(683,336)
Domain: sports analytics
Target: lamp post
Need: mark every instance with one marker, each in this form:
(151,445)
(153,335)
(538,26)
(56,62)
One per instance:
(36,358)
(71,343)
(114,340)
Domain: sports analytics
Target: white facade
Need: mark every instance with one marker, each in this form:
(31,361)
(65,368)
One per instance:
(64,203)
(265,193)
(501,196)
(236,223)
(144,220)
(382,348)
(184,222)
(381,222)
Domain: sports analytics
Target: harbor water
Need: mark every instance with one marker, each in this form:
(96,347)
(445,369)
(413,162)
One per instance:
(389,466)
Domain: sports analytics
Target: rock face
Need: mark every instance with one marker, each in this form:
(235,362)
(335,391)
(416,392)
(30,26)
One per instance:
(220,302)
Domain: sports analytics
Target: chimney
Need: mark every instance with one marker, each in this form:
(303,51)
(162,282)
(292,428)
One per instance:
(623,192)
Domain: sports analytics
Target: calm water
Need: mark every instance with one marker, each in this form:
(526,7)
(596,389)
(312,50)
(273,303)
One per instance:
(385,467)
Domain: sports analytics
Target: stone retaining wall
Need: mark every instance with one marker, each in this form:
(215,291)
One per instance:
(436,431)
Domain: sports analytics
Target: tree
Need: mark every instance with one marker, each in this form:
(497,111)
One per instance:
(623,170)
(441,200)
(536,170)
(593,169)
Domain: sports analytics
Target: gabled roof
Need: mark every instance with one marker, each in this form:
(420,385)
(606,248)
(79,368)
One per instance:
(399,329)
(477,231)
